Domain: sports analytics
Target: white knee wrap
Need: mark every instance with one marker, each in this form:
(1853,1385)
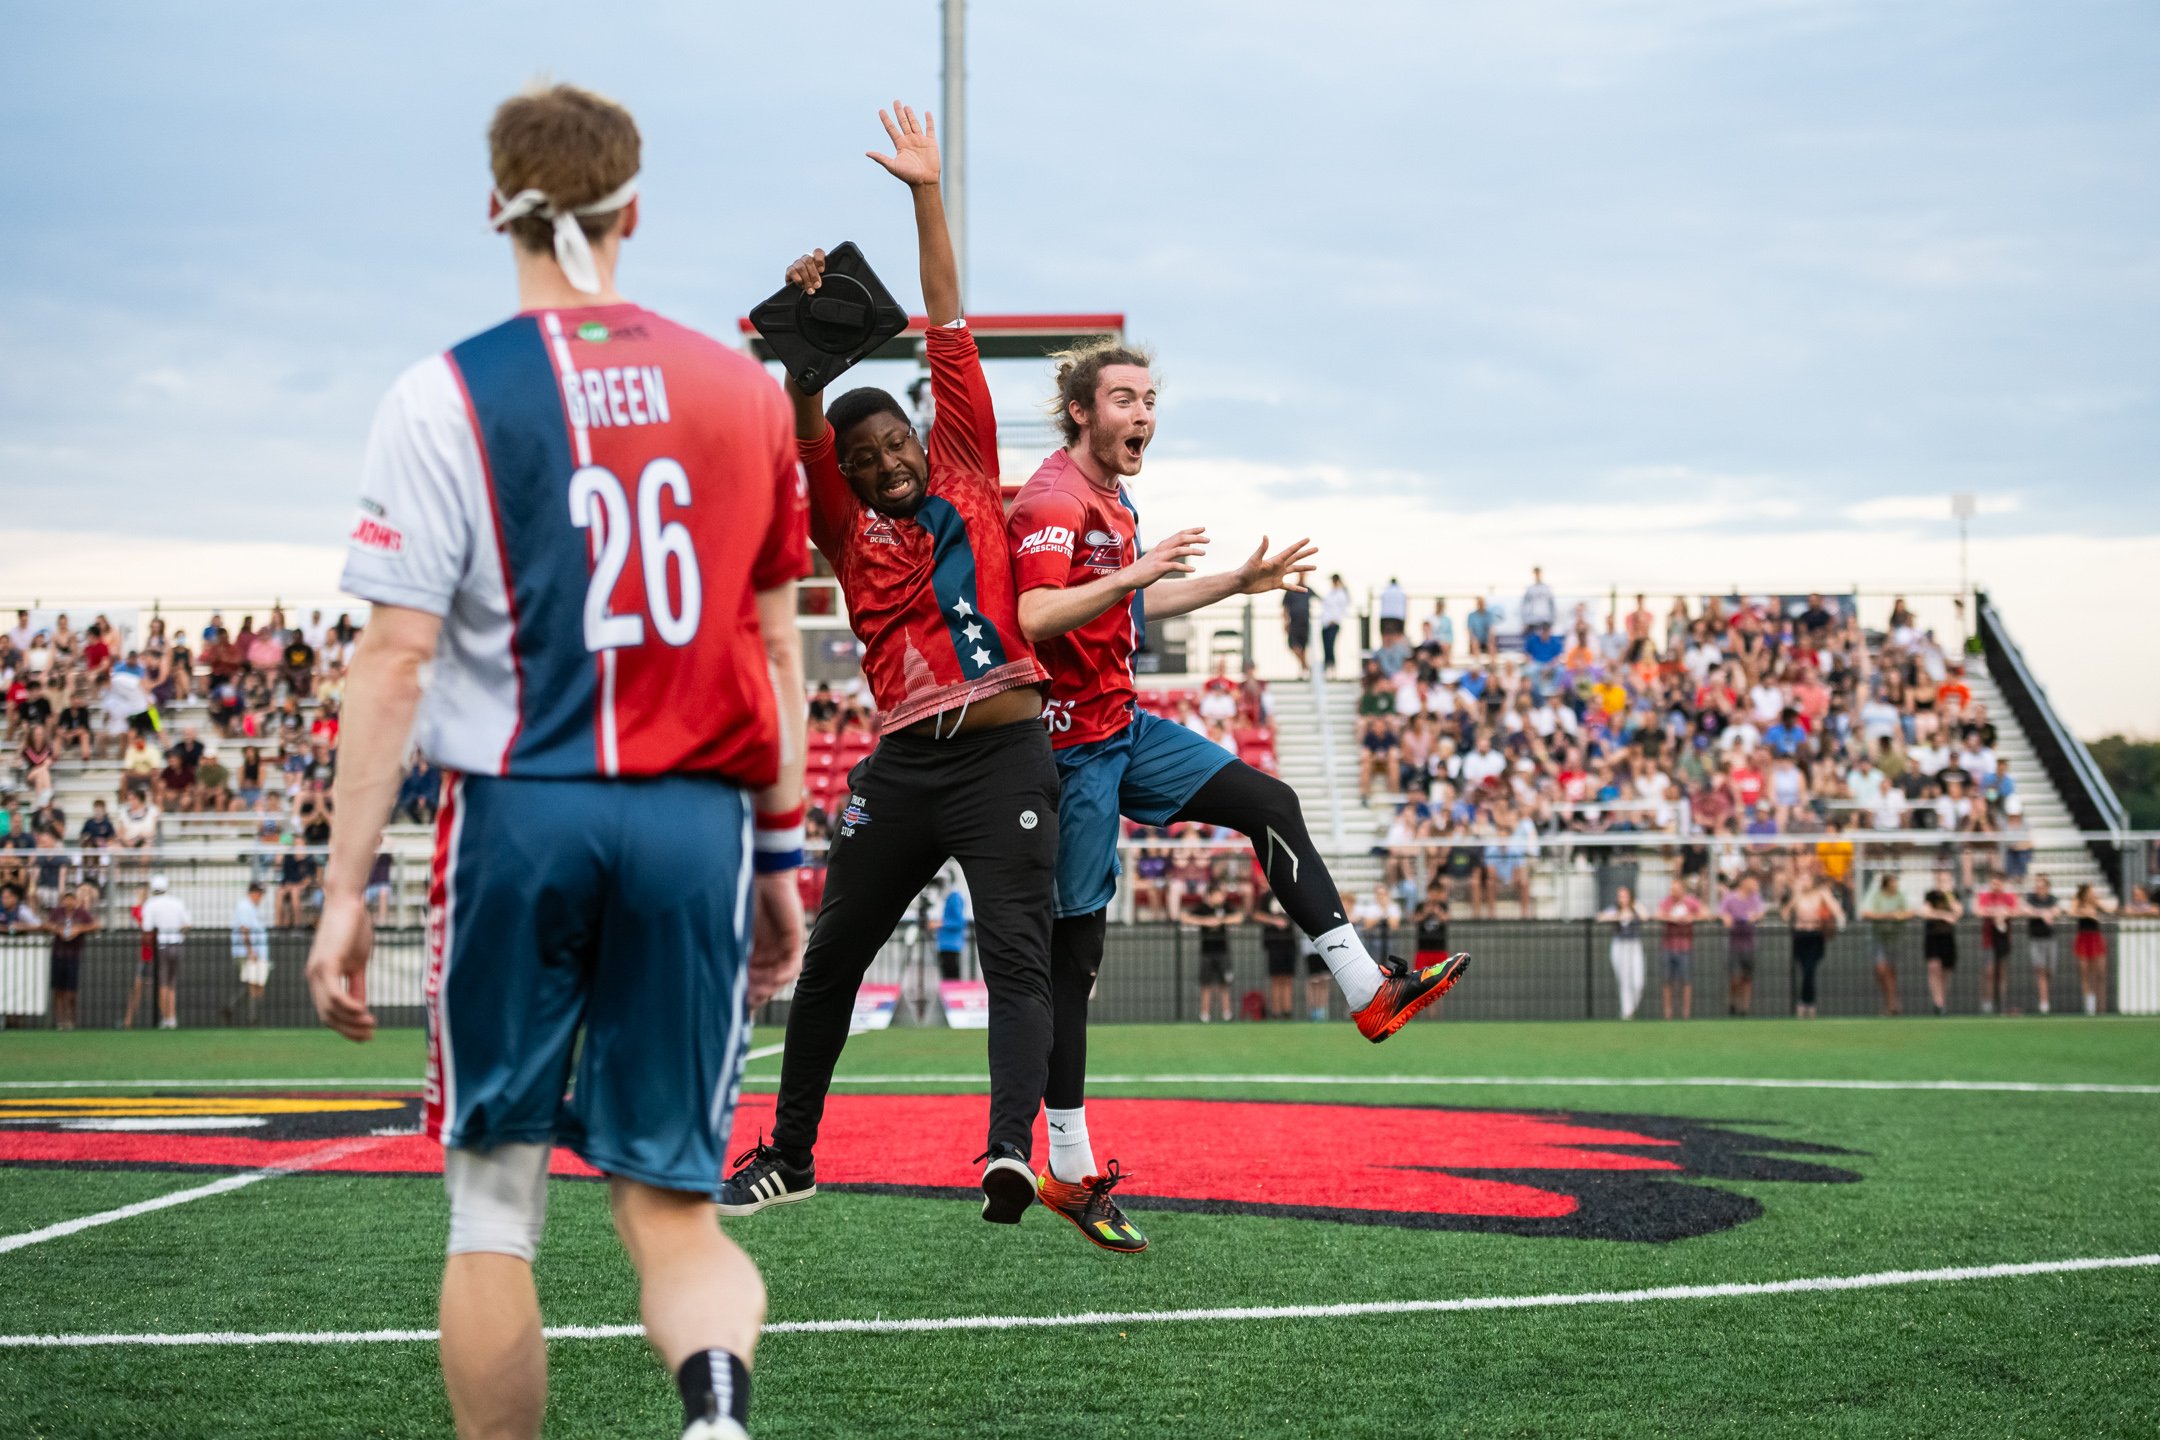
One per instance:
(498,1199)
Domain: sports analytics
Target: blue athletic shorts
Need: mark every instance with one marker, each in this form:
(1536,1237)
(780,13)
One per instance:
(612,912)
(1147,772)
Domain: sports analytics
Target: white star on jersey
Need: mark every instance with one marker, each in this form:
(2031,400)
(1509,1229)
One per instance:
(973,632)
(962,608)
(981,656)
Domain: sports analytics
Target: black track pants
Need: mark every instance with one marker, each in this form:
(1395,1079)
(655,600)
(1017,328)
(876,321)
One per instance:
(990,801)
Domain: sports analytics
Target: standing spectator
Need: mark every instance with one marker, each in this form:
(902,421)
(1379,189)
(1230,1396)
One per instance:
(1279,942)
(1394,611)
(1940,910)
(1212,914)
(2042,907)
(377,893)
(1297,627)
(1886,913)
(1815,915)
(1677,914)
(1537,602)
(297,874)
(2090,946)
(952,931)
(251,953)
(1996,905)
(1440,633)
(1627,951)
(1334,610)
(165,923)
(1479,628)
(1740,912)
(1430,920)
(70,924)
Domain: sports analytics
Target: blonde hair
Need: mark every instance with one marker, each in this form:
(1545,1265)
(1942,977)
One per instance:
(1079,371)
(569,144)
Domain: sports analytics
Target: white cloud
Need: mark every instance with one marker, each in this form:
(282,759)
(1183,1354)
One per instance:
(1891,508)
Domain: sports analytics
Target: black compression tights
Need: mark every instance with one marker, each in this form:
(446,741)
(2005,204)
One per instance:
(1265,811)
(1257,806)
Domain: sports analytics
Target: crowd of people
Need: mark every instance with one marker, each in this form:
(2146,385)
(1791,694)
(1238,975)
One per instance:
(100,696)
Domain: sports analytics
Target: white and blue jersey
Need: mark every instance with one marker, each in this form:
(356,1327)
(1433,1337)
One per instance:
(592,501)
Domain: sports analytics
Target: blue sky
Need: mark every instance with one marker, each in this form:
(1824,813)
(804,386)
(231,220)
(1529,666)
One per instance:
(1766,263)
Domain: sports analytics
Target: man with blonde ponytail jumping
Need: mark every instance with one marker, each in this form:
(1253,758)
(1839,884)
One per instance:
(1087,592)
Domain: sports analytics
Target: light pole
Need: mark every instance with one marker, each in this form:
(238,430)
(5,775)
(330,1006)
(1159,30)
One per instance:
(954,134)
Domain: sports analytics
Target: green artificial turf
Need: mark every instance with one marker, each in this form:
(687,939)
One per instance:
(1947,1178)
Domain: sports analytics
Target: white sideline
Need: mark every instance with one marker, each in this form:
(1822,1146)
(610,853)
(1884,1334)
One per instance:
(322,1155)
(1823,1283)
(2025,1087)
(312,1083)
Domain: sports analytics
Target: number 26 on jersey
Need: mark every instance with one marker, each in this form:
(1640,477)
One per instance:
(599,503)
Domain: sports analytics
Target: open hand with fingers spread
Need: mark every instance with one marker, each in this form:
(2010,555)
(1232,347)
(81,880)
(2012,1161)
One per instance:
(1286,569)
(915,153)
(1169,559)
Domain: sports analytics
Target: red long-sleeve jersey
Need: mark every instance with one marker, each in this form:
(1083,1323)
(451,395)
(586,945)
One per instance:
(930,597)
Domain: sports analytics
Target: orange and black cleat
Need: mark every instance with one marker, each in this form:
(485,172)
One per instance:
(1405,992)
(1093,1213)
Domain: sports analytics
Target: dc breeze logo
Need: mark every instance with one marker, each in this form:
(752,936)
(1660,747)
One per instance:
(1106,552)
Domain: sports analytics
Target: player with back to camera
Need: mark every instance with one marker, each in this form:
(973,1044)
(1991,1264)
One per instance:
(1087,592)
(963,768)
(580,517)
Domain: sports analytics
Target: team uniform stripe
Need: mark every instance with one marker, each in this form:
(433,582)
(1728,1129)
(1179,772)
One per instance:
(439,1089)
(527,443)
(581,446)
(974,638)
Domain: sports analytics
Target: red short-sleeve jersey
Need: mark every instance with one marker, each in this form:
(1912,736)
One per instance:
(931,597)
(1066,530)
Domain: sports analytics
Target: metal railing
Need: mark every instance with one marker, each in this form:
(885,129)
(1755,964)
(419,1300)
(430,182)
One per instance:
(1153,974)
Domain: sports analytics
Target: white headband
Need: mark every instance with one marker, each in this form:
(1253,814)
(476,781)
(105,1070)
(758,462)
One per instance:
(572,250)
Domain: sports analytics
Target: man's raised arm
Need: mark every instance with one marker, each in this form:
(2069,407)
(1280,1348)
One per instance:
(915,161)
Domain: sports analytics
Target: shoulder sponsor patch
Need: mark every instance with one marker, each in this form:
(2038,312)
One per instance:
(1050,539)
(380,536)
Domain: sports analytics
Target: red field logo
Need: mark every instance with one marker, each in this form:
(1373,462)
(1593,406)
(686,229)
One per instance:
(1570,1174)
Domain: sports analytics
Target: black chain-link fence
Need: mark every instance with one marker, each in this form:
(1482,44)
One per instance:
(1151,974)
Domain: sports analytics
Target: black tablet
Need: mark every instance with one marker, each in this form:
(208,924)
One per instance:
(820,337)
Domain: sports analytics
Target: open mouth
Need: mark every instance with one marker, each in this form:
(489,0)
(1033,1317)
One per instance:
(899,487)
(1134,444)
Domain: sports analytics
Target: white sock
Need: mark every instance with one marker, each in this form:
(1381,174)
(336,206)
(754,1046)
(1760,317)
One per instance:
(1355,970)
(1071,1158)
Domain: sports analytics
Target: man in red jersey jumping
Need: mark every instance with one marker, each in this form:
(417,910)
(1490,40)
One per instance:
(1086,595)
(962,768)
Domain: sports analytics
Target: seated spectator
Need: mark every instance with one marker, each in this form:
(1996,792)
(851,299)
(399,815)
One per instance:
(418,792)
(140,763)
(137,826)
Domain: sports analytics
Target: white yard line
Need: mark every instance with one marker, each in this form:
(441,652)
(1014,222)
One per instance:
(322,1155)
(1819,1284)
(1630,1082)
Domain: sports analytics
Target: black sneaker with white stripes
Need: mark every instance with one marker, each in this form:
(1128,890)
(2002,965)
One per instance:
(762,1178)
